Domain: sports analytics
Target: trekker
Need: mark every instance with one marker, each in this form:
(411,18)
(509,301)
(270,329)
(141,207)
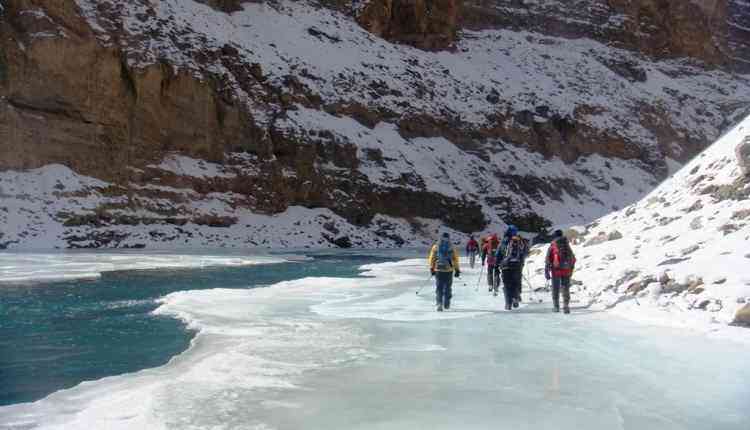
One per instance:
(471,250)
(511,255)
(493,278)
(559,266)
(443,261)
(482,242)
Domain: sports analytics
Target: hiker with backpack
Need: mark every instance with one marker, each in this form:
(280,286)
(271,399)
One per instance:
(443,261)
(559,265)
(482,243)
(493,276)
(471,250)
(510,258)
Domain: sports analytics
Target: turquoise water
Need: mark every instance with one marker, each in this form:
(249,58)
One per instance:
(54,335)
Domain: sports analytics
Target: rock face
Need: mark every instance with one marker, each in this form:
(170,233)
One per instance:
(193,114)
(709,30)
(426,24)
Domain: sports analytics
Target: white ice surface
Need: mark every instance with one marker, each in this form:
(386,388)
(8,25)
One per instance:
(369,353)
(21,267)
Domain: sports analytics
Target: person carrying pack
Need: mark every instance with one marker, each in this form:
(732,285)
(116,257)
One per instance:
(443,261)
(482,243)
(493,279)
(472,247)
(559,265)
(510,258)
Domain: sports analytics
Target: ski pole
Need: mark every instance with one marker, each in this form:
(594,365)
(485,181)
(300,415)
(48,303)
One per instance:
(428,281)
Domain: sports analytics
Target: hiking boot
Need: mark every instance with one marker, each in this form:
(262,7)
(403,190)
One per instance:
(440,308)
(515,303)
(557,309)
(494,293)
(566,310)
(507,307)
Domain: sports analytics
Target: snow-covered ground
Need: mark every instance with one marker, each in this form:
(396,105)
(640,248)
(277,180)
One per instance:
(369,353)
(679,256)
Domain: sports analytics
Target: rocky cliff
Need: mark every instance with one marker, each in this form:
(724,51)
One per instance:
(171,123)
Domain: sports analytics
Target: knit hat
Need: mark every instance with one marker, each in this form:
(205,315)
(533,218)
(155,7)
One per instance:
(558,233)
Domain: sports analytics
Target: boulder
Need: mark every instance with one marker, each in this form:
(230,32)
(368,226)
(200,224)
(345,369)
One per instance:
(597,240)
(743,155)
(742,316)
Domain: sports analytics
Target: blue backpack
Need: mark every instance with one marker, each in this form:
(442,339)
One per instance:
(444,256)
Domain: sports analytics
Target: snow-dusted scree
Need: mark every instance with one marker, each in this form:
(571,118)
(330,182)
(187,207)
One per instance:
(678,256)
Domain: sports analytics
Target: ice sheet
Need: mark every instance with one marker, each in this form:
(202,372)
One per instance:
(29,267)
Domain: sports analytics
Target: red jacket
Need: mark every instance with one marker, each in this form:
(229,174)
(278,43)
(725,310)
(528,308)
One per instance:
(489,249)
(553,263)
(472,246)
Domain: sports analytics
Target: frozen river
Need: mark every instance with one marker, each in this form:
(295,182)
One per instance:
(368,353)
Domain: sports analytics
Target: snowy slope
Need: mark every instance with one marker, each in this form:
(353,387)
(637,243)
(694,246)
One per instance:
(495,79)
(683,256)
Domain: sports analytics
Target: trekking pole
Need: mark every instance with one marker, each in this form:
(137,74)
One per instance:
(428,281)
(479,281)
(528,284)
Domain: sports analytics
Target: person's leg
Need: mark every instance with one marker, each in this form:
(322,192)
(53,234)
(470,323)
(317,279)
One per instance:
(556,293)
(490,277)
(439,288)
(517,276)
(566,293)
(448,291)
(496,279)
(507,288)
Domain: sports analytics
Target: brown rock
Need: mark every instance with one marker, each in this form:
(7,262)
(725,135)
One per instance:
(426,24)
(742,316)
(659,28)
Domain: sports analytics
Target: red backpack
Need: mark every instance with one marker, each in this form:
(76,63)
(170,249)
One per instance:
(562,263)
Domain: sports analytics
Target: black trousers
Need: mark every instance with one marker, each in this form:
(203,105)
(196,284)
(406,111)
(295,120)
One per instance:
(561,284)
(512,284)
(443,288)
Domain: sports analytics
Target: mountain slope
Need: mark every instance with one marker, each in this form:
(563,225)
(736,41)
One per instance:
(293,104)
(678,255)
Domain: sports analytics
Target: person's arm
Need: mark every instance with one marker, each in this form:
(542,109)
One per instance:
(431,259)
(456,268)
(548,263)
(500,252)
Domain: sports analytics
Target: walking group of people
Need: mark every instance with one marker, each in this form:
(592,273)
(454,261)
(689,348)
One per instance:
(504,260)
